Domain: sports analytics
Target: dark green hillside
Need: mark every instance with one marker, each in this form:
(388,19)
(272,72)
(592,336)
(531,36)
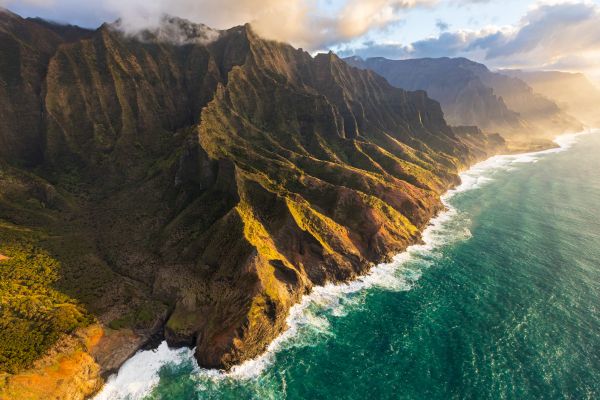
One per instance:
(201,187)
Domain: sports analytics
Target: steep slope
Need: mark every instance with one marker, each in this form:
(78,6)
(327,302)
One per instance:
(541,112)
(464,97)
(201,184)
(25,49)
(471,94)
(572,91)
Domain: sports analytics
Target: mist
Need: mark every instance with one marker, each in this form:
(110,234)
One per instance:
(310,24)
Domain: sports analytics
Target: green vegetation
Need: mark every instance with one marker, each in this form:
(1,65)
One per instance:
(222,182)
(33,314)
(138,318)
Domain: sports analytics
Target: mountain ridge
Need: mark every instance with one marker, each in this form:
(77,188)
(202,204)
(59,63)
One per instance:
(471,94)
(198,190)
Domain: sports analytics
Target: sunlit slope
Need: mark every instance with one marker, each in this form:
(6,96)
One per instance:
(203,186)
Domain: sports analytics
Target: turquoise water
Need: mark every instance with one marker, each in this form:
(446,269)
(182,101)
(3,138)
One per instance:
(502,303)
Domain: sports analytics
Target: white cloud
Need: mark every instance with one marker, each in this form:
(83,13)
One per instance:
(305,23)
(301,22)
(358,17)
(551,34)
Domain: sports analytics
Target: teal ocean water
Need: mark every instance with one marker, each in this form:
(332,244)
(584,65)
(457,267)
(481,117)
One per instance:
(501,302)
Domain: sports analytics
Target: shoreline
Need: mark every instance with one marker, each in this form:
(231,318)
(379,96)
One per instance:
(379,275)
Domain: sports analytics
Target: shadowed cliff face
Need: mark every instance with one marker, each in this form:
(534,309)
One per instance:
(202,187)
(471,94)
(25,49)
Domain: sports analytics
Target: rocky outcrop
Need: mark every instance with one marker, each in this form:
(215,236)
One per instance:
(210,183)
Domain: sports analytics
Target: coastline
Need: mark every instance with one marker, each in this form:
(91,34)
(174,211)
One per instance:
(139,374)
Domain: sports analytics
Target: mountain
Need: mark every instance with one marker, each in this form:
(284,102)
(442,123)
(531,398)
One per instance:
(464,97)
(471,94)
(25,49)
(195,184)
(572,91)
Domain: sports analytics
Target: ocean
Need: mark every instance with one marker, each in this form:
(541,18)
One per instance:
(502,301)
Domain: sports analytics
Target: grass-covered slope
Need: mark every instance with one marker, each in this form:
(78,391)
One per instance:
(202,186)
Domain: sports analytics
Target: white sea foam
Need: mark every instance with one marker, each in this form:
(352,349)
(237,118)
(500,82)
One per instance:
(307,319)
(139,374)
(479,174)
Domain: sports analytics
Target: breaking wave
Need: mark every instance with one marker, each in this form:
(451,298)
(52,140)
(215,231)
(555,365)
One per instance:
(307,320)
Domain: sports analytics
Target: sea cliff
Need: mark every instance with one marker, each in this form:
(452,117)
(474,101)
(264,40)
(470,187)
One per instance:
(195,184)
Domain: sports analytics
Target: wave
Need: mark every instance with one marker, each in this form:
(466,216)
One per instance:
(307,319)
(138,375)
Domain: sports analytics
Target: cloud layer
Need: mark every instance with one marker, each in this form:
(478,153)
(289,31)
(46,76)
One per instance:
(312,24)
(558,35)
(563,35)
(306,23)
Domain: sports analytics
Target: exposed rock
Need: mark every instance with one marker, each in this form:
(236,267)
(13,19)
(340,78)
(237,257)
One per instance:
(204,188)
(114,348)
(66,372)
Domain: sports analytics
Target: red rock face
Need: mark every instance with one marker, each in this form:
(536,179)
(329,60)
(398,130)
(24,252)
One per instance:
(209,185)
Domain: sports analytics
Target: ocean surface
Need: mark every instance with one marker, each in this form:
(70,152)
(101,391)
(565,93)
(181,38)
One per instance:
(501,302)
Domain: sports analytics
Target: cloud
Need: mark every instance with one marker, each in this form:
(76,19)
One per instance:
(554,30)
(43,3)
(358,17)
(311,24)
(468,2)
(441,25)
(447,44)
(549,34)
(302,22)
(556,34)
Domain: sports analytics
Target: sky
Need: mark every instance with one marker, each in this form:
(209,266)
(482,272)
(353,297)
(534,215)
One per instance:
(526,34)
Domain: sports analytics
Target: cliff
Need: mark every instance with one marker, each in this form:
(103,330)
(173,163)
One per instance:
(471,94)
(196,183)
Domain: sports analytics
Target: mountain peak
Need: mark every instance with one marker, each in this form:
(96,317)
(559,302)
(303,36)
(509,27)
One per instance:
(7,18)
(7,13)
(259,170)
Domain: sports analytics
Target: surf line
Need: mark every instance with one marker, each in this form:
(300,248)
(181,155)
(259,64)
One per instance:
(140,374)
